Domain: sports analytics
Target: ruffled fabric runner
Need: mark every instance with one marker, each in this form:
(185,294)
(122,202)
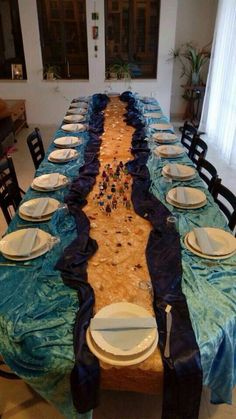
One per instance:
(85,376)
(182,371)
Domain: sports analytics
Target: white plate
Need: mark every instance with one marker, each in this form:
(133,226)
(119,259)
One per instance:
(111,340)
(169,151)
(116,359)
(193,196)
(74,118)
(182,179)
(77,111)
(202,255)
(10,243)
(185,172)
(73,127)
(164,137)
(161,127)
(67,141)
(79,104)
(148,100)
(189,207)
(57,156)
(153,115)
(34,255)
(40,183)
(26,209)
(224,239)
(151,107)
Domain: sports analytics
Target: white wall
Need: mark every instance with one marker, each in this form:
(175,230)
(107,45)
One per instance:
(195,22)
(47,101)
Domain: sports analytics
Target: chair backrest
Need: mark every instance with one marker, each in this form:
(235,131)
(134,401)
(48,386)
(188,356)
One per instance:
(207,172)
(10,193)
(197,149)
(35,144)
(226,201)
(188,133)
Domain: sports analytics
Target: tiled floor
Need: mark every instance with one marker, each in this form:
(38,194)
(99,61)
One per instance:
(18,401)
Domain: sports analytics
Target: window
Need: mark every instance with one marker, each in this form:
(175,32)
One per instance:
(63,34)
(132,30)
(11,45)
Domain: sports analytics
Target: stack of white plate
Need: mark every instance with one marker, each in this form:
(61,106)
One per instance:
(25,244)
(150,107)
(186,198)
(169,151)
(222,243)
(49,182)
(148,100)
(79,104)
(63,155)
(64,142)
(161,127)
(164,137)
(179,172)
(74,127)
(77,111)
(74,118)
(38,209)
(122,334)
(152,115)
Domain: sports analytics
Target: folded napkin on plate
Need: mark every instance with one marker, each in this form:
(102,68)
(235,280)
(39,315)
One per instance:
(52,180)
(169,150)
(27,242)
(40,207)
(173,170)
(207,244)
(99,323)
(181,195)
(65,154)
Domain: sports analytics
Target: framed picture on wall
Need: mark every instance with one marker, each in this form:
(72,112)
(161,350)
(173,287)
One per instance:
(17,71)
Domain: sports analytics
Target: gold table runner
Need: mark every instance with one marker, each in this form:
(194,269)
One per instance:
(120,263)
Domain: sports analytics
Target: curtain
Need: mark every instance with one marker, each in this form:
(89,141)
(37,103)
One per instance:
(218,119)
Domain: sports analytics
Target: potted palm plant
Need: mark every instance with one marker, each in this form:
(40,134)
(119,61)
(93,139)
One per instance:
(192,60)
(119,71)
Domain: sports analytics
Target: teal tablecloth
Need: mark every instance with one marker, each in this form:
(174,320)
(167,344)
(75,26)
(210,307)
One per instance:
(37,310)
(210,290)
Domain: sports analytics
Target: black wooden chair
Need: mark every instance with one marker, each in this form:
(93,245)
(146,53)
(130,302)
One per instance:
(35,144)
(197,149)
(226,201)
(207,172)
(188,133)
(10,192)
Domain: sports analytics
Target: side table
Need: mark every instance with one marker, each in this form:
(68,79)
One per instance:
(18,113)
(194,104)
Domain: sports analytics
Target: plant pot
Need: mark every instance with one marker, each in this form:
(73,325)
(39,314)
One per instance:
(195,78)
(50,76)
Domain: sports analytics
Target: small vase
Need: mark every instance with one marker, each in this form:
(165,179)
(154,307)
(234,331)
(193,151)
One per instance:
(195,78)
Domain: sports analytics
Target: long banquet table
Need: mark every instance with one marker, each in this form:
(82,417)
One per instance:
(37,310)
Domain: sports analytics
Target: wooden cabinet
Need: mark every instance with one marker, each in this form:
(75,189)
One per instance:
(18,113)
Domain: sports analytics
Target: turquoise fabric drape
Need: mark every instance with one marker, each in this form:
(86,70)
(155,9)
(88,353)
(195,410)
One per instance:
(210,288)
(37,311)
